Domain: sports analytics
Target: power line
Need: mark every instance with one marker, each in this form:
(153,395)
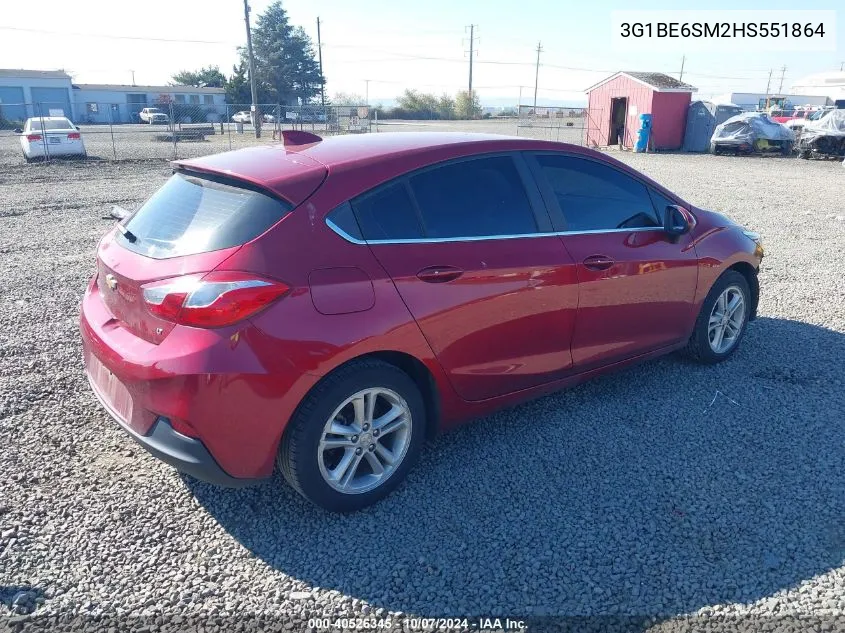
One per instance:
(118,37)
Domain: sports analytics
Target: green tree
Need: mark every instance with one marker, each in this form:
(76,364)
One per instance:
(466,106)
(210,77)
(419,104)
(285,64)
(237,86)
(446,107)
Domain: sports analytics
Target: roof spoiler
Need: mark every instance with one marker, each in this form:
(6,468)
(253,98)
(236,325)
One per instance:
(299,137)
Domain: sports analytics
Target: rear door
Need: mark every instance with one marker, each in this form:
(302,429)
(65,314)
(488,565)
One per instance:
(468,246)
(636,283)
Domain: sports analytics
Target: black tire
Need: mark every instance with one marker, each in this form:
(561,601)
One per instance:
(298,454)
(698,348)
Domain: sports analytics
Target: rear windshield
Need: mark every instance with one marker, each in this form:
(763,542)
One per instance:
(192,214)
(51,124)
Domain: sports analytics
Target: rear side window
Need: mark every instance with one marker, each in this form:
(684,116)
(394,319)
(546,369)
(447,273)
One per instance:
(595,197)
(473,198)
(388,214)
(192,214)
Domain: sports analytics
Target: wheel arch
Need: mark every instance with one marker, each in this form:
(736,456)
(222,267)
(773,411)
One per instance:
(750,273)
(422,377)
(416,371)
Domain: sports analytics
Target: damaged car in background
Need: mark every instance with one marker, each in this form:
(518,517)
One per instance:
(823,137)
(751,132)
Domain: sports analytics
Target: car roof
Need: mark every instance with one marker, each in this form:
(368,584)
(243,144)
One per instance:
(358,162)
(48,118)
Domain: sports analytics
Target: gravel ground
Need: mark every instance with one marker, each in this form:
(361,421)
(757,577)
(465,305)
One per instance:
(666,490)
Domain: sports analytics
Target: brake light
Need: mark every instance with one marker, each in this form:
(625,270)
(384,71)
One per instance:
(74,136)
(33,137)
(211,299)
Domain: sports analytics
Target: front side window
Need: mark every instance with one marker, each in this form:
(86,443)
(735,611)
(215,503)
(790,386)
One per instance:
(473,198)
(594,196)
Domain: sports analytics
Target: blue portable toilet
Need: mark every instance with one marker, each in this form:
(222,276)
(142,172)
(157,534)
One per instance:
(643,133)
(702,119)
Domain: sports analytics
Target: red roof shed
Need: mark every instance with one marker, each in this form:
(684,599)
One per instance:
(616,103)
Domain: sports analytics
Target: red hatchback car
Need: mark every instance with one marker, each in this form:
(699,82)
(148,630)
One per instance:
(326,305)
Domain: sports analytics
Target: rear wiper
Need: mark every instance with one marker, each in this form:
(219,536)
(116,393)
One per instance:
(119,213)
(129,235)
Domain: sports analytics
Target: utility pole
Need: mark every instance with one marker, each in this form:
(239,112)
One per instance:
(537,74)
(471,28)
(769,83)
(256,120)
(683,59)
(367,92)
(841,66)
(782,73)
(133,76)
(320,60)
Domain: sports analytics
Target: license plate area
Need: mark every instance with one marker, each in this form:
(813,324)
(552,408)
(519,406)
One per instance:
(113,392)
(54,140)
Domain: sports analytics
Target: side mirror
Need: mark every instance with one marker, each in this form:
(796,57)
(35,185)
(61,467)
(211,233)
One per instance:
(675,223)
(77,127)
(17,130)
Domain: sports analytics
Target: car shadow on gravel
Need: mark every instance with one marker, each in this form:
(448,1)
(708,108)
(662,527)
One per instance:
(663,489)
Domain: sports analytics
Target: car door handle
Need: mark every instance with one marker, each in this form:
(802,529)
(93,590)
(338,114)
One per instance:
(598,262)
(439,274)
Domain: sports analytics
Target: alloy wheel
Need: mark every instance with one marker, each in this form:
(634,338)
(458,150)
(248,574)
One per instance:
(726,320)
(365,440)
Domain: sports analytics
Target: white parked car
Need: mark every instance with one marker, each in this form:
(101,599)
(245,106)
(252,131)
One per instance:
(50,136)
(153,115)
(245,116)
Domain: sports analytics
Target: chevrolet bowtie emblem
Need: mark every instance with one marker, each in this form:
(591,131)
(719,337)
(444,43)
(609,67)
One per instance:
(111,282)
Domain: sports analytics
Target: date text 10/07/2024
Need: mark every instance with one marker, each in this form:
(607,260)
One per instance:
(483,625)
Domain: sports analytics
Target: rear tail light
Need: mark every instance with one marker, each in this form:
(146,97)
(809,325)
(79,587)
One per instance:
(74,136)
(211,300)
(33,137)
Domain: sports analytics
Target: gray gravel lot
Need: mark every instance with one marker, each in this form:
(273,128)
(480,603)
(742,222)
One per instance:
(663,490)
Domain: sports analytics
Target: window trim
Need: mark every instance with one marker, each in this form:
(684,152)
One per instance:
(542,220)
(481,238)
(553,205)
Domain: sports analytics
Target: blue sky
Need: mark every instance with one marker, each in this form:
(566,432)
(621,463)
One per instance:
(397,45)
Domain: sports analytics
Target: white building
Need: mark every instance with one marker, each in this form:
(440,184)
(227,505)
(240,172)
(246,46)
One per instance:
(101,103)
(20,89)
(752,100)
(828,84)
(26,93)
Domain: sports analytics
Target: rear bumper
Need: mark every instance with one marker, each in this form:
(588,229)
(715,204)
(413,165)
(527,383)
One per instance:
(231,386)
(185,454)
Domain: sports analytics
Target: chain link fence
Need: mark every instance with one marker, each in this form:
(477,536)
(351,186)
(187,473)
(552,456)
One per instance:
(558,123)
(168,129)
